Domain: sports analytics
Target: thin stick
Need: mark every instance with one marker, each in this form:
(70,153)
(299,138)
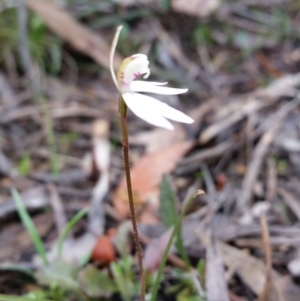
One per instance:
(270,290)
(268,257)
(123,126)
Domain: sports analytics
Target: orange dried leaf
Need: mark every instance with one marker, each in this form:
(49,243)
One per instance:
(146,176)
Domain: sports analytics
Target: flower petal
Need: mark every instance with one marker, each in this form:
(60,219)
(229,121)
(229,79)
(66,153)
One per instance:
(154,111)
(144,110)
(154,87)
(112,53)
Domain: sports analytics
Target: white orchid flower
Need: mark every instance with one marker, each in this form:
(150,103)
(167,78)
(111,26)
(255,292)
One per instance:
(147,108)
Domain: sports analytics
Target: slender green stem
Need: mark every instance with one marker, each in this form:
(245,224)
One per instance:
(123,126)
(70,225)
(166,252)
(50,134)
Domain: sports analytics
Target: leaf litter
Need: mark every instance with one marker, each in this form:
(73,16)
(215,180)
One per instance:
(242,150)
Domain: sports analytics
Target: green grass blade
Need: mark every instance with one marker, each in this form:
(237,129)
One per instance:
(168,200)
(50,137)
(166,252)
(29,225)
(168,213)
(120,281)
(74,220)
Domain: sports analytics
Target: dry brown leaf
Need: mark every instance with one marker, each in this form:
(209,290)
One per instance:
(253,272)
(34,198)
(146,176)
(148,217)
(155,251)
(234,297)
(246,109)
(101,160)
(159,138)
(15,239)
(199,8)
(216,286)
(81,38)
(285,86)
